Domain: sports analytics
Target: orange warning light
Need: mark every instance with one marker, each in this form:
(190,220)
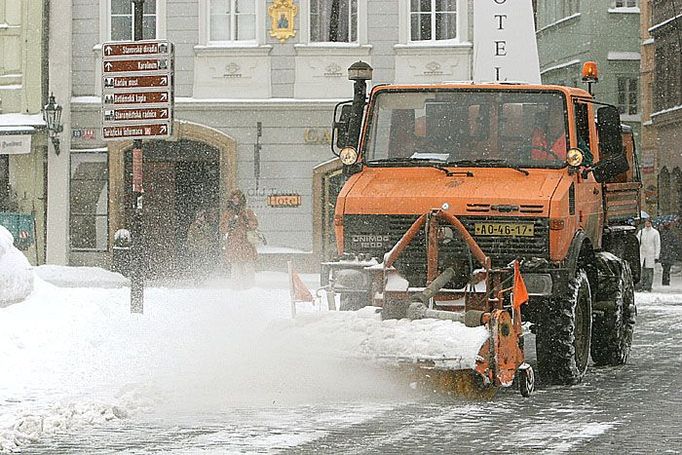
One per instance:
(590,73)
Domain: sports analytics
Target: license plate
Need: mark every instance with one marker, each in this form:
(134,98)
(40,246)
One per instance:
(504,229)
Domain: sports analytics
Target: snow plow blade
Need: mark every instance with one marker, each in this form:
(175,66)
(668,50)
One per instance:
(487,310)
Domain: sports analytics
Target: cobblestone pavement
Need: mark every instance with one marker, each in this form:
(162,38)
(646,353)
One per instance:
(631,409)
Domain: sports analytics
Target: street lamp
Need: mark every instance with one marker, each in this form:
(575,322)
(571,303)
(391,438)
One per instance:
(52,114)
(360,71)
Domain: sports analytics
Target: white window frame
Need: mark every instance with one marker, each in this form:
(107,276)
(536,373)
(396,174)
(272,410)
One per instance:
(433,13)
(625,4)
(305,28)
(105,20)
(205,27)
(405,32)
(627,94)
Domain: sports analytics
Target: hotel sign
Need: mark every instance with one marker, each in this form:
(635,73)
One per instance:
(137,90)
(15,144)
(284,200)
(505,47)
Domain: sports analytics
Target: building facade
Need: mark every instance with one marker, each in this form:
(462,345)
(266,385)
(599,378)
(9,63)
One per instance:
(665,28)
(648,138)
(23,145)
(571,32)
(256,83)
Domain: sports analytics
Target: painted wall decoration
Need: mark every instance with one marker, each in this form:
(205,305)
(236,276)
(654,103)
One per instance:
(283,14)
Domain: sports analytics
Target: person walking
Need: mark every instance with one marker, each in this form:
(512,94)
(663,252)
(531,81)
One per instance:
(668,252)
(199,244)
(240,254)
(649,252)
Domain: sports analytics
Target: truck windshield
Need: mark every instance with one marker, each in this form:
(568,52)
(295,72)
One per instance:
(470,128)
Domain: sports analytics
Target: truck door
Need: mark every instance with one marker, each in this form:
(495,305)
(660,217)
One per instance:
(589,209)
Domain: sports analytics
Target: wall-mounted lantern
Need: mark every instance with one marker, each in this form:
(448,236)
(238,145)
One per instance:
(52,114)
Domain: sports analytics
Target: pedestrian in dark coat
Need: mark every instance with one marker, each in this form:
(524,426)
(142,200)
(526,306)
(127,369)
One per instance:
(668,252)
(235,224)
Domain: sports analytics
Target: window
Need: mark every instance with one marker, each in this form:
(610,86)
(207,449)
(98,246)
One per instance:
(555,10)
(625,3)
(122,20)
(232,20)
(627,95)
(334,21)
(89,205)
(433,20)
(452,126)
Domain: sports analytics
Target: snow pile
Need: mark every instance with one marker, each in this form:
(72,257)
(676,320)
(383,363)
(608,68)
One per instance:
(81,277)
(16,275)
(362,334)
(33,425)
(74,356)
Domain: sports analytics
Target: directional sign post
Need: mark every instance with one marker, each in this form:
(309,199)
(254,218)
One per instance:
(137,90)
(137,103)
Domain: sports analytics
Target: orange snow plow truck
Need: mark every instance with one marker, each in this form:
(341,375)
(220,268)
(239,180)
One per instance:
(491,204)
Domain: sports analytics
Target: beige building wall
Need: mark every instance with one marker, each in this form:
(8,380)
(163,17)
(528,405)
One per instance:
(21,81)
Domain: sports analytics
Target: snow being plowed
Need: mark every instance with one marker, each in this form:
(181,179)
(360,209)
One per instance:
(16,276)
(74,357)
(363,335)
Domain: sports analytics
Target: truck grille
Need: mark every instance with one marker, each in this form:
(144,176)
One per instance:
(376,234)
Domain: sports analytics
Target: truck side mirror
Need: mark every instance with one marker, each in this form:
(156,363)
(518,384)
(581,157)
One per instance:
(613,160)
(341,126)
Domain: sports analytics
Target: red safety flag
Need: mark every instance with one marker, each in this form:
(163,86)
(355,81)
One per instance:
(300,293)
(520,292)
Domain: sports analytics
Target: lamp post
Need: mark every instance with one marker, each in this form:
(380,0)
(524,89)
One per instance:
(52,114)
(137,269)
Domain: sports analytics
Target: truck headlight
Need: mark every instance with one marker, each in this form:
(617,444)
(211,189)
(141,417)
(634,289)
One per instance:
(574,157)
(348,155)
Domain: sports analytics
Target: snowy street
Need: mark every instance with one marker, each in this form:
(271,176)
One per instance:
(213,370)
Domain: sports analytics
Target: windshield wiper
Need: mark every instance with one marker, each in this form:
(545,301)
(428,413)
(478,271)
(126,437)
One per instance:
(483,161)
(417,162)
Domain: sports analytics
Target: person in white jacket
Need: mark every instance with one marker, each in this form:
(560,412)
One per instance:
(649,251)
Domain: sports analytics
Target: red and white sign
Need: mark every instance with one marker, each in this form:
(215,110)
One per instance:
(137,90)
(154,113)
(136,48)
(137,98)
(143,131)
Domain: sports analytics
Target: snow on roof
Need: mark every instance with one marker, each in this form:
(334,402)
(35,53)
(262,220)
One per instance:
(615,55)
(14,120)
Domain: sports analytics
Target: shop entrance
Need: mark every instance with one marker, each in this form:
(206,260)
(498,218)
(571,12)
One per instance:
(181,179)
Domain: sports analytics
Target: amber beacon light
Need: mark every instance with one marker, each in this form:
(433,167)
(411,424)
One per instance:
(590,73)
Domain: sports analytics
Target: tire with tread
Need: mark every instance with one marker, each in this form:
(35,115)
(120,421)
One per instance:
(612,331)
(563,333)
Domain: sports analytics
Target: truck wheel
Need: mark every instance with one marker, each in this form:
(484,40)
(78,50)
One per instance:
(563,333)
(612,330)
(352,302)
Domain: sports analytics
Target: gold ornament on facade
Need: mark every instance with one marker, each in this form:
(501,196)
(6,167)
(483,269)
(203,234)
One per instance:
(282,13)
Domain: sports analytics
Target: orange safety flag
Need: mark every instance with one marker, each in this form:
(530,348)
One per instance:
(300,293)
(519,289)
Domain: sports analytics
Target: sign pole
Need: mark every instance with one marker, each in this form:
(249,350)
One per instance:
(137,269)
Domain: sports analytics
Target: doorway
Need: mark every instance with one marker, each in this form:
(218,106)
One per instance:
(181,179)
